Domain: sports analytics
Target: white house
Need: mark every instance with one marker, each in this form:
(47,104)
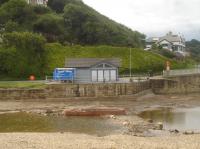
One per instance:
(37,2)
(170,42)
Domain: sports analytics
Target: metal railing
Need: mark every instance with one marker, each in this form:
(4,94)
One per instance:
(181,72)
(121,79)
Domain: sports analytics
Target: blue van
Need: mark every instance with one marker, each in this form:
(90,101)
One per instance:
(64,74)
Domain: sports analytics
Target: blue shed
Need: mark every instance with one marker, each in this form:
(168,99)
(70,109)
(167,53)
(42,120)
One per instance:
(64,74)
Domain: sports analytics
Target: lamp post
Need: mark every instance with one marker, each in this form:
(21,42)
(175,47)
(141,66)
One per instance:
(130,63)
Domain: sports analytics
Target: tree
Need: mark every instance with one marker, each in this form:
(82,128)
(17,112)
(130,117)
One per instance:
(40,9)
(3,1)
(16,10)
(11,27)
(56,5)
(51,26)
(193,47)
(27,52)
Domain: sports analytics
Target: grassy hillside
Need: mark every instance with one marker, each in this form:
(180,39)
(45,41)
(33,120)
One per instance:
(142,61)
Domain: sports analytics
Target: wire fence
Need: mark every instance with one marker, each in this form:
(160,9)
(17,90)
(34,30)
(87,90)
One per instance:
(181,72)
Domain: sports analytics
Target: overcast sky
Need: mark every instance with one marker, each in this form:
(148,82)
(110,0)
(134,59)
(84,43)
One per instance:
(153,17)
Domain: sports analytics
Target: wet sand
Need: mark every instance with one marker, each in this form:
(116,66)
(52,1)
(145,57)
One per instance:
(132,104)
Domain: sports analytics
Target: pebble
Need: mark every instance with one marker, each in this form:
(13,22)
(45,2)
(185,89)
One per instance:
(112,116)
(126,123)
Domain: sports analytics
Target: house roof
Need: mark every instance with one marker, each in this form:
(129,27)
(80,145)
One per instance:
(172,38)
(164,40)
(152,39)
(89,62)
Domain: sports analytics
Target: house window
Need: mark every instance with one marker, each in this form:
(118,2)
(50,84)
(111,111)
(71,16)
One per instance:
(107,66)
(100,66)
(113,75)
(94,76)
(107,75)
(100,76)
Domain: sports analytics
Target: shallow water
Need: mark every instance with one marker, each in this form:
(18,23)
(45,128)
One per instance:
(23,122)
(181,119)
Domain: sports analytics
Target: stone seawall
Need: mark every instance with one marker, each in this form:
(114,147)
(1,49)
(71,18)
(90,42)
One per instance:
(64,91)
(95,90)
(18,94)
(176,85)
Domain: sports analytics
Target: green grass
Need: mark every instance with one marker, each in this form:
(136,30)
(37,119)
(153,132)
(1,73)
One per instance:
(142,61)
(22,84)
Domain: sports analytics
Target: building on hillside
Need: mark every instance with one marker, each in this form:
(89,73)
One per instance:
(94,69)
(150,41)
(37,2)
(171,42)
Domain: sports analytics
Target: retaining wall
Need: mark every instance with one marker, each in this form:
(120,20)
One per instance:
(55,91)
(177,85)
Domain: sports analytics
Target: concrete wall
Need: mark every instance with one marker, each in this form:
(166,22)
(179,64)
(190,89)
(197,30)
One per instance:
(70,91)
(177,85)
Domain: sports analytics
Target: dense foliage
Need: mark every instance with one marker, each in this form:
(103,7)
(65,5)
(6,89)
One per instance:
(164,52)
(193,47)
(67,22)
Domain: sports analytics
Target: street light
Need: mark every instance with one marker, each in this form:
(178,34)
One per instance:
(130,64)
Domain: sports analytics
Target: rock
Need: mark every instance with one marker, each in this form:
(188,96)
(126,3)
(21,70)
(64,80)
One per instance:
(160,125)
(188,132)
(126,123)
(49,111)
(174,131)
(150,120)
(112,116)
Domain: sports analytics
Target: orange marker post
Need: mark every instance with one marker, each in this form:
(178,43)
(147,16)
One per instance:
(32,78)
(168,65)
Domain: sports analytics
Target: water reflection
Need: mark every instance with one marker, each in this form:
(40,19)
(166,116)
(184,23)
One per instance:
(181,119)
(23,122)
